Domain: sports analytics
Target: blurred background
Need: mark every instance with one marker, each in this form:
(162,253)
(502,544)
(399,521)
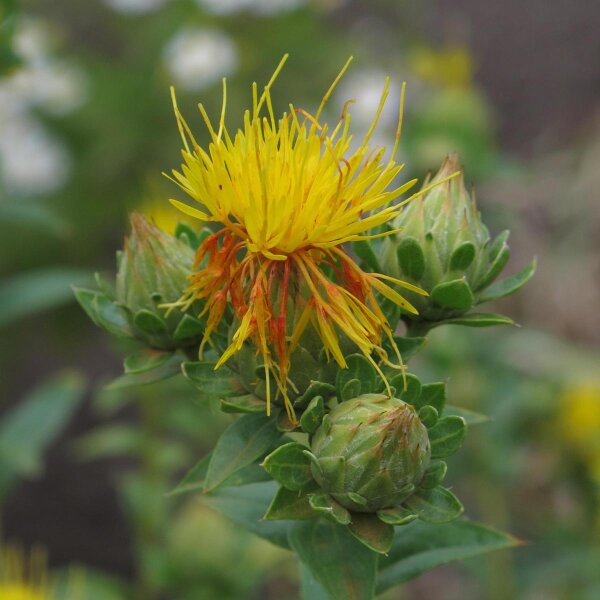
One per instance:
(86,128)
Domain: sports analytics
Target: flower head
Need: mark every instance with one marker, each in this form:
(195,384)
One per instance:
(287,193)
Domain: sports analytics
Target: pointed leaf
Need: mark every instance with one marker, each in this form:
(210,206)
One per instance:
(188,328)
(508,286)
(408,388)
(428,415)
(434,394)
(409,346)
(471,417)
(422,546)
(436,505)
(289,466)
(411,258)
(243,442)
(168,369)
(246,506)
(495,269)
(454,294)
(194,478)
(462,257)
(149,322)
(359,369)
(447,436)
(436,471)
(344,567)
(327,506)
(248,403)
(220,383)
(313,415)
(478,320)
(316,388)
(373,533)
(351,390)
(397,516)
(145,359)
(290,505)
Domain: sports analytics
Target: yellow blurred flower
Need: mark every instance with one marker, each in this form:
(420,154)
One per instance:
(579,421)
(162,214)
(449,67)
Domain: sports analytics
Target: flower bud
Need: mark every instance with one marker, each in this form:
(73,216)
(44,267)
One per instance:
(444,248)
(153,270)
(371,452)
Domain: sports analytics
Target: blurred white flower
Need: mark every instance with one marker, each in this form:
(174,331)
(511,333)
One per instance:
(262,7)
(56,87)
(135,7)
(198,57)
(31,40)
(31,160)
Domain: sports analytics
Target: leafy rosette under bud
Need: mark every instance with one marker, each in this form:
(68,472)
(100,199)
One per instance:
(153,271)
(445,249)
(371,453)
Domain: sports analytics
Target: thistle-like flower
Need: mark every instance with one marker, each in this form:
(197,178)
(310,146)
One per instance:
(287,193)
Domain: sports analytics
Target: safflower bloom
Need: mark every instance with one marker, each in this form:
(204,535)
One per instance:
(288,193)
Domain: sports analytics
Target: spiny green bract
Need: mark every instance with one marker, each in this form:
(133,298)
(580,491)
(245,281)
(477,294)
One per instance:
(153,270)
(444,248)
(371,452)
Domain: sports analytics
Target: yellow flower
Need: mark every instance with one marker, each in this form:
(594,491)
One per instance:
(449,67)
(287,194)
(579,420)
(22,579)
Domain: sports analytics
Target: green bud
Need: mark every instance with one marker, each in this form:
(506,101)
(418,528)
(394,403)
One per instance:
(371,453)
(445,249)
(153,270)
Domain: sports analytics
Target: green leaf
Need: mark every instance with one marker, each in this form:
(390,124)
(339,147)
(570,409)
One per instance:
(434,394)
(436,505)
(411,258)
(28,428)
(434,475)
(289,466)
(34,291)
(327,506)
(409,346)
(219,383)
(168,369)
(248,403)
(462,257)
(454,294)
(478,320)
(309,587)
(188,328)
(313,415)
(194,478)
(290,505)
(364,250)
(359,368)
(373,533)
(471,417)
(495,269)
(243,442)
(428,415)
(104,312)
(246,506)
(398,516)
(351,389)
(344,567)
(423,546)
(508,286)
(145,359)
(315,388)
(109,441)
(447,436)
(408,388)
(498,244)
(149,322)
